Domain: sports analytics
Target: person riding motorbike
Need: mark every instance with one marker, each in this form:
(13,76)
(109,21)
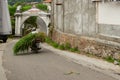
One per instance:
(36,42)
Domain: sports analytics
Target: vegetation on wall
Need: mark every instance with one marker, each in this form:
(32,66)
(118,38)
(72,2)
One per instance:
(26,7)
(42,7)
(65,46)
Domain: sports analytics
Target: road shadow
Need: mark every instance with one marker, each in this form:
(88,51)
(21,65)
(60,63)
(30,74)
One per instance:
(27,53)
(117,73)
(1,41)
(42,51)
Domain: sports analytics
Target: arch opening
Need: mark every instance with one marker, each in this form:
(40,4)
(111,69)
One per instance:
(33,22)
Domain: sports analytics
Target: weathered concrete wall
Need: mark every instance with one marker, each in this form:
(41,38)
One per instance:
(109,13)
(110,30)
(108,19)
(59,15)
(0,16)
(75,17)
(54,13)
(41,25)
(80,17)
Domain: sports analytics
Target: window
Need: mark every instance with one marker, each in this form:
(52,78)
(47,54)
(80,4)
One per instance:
(109,13)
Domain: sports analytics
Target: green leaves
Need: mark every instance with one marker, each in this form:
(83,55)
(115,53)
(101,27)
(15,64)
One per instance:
(42,7)
(12,10)
(67,46)
(26,7)
(12,2)
(41,36)
(24,43)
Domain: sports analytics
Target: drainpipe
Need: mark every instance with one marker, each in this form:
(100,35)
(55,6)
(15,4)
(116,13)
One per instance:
(52,13)
(62,5)
(63,15)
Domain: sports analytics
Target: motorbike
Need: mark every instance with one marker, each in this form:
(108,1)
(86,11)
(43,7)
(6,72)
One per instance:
(36,45)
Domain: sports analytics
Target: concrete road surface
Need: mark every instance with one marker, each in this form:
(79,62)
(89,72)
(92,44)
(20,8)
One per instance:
(46,65)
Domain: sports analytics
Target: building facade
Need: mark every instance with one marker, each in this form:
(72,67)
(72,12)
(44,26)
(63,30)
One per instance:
(87,23)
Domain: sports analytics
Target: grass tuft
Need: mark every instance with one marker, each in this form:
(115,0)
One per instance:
(55,45)
(109,59)
(61,47)
(75,49)
(67,46)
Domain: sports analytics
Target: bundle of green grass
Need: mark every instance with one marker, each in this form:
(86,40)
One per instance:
(25,42)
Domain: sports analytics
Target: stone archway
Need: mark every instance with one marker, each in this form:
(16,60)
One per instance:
(20,18)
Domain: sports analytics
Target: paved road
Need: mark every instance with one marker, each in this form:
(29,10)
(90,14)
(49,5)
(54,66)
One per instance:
(46,66)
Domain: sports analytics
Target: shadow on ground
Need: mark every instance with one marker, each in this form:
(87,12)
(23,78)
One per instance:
(43,51)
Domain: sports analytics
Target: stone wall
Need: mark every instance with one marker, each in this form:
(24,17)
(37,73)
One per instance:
(88,45)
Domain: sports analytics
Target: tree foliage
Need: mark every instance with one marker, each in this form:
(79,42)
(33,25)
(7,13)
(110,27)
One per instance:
(12,10)
(12,2)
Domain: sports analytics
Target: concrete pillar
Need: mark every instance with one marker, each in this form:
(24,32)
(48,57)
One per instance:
(47,31)
(48,21)
(18,26)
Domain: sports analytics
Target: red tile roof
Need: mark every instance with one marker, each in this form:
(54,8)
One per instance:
(48,1)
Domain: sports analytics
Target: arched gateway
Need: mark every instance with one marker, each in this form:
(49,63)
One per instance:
(21,17)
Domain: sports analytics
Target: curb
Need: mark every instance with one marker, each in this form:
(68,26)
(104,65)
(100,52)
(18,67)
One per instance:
(92,63)
(2,71)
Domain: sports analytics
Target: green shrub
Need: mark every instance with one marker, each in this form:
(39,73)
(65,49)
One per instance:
(67,46)
(109,59)
(55,44)
(74,49)
(48,40)
(61,47)
(51,42)
(118,60)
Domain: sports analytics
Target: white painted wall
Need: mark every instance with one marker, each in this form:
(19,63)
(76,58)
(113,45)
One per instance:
(109,13)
